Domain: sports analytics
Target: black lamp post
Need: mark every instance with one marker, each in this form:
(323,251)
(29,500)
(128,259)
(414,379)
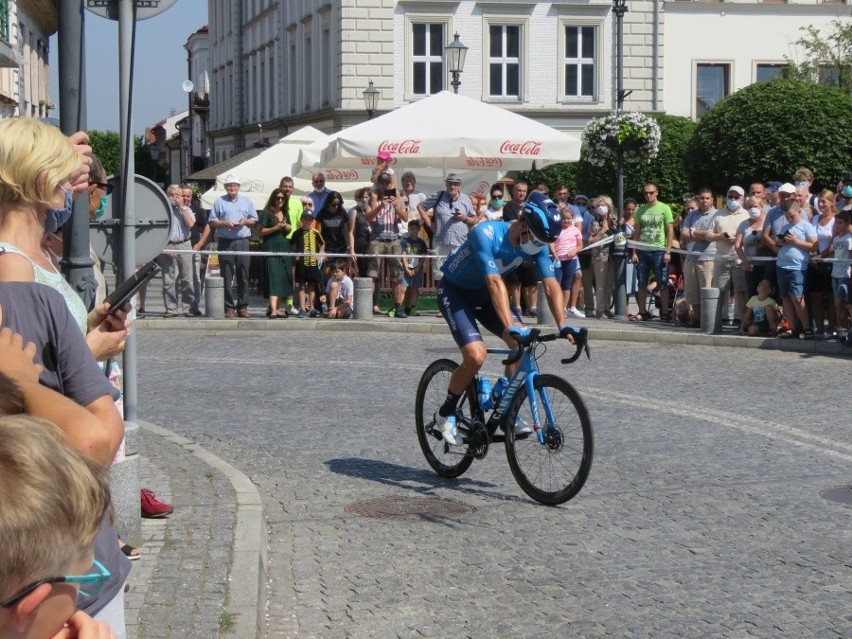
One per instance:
(619,8)
(371,99)
(456,53)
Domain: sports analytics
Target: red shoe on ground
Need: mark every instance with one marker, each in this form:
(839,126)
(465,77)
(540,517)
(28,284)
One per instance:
(152,508)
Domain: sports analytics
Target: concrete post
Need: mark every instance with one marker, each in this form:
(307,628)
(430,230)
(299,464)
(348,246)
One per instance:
(214,297)
(543,315)
(363,298)
(711,311)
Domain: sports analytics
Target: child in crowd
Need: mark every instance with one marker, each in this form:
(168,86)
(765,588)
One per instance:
(414,248)
(51,506)
(761,316)
(567,245)
(306,271)
(841,246)
(339,292)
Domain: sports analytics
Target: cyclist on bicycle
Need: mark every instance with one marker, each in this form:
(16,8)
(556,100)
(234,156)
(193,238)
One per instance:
(472,289)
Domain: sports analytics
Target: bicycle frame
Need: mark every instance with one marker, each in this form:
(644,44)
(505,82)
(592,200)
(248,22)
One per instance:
(525,373)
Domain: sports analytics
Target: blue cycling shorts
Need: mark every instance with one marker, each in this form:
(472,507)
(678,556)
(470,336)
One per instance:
(461,309)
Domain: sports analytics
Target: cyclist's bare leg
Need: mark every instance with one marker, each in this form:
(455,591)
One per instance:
(473,357)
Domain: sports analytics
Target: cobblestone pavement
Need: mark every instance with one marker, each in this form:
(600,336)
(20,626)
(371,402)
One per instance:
(702,516)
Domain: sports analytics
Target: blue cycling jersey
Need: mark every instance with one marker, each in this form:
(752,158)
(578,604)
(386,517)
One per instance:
(487,251)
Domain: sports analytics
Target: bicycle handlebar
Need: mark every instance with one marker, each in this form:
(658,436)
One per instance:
(580,336)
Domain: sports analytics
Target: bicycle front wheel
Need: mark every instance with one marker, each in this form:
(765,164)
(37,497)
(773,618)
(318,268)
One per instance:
(447,461)
(554,471)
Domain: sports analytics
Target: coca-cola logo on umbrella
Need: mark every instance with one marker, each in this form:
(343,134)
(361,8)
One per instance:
(341,175)
(484,162)
(402,147)
(528,147)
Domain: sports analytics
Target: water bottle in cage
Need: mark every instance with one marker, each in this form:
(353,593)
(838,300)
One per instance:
(483,391)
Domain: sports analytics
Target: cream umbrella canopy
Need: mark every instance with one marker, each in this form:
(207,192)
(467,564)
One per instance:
(446,131)
(262,173)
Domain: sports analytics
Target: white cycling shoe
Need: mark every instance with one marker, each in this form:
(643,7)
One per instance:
(522,428)
(447,427)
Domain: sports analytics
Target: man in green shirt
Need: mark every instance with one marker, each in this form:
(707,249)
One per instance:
(654,226)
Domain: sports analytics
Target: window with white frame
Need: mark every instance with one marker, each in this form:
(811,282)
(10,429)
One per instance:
(427,58)
(712,83)
(580,62)
(504,61)
(765,72)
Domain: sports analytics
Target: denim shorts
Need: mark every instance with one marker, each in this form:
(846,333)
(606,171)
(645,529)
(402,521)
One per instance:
(652,260)
(566,271)
(840,287)
(791,283)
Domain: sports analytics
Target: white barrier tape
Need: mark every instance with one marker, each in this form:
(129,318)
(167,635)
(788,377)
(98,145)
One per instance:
(429,256)
(641,246)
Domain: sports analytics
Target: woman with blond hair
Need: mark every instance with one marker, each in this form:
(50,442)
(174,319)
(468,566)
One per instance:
(39,169)
(818,276)
(603,225)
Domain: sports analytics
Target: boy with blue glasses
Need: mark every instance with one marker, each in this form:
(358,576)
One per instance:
(51,505)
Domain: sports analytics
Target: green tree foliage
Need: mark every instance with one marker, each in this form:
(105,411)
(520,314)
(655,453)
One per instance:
(828,58)
(667,170)
(766,131)
(106,145)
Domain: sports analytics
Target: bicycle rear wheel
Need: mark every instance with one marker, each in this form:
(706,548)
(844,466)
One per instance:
(446,460)
(555,471)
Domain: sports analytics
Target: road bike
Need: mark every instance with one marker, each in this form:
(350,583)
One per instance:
(552,462)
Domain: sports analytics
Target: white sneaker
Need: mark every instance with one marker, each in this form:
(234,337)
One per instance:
(447,428)
(522,428)
(573,312)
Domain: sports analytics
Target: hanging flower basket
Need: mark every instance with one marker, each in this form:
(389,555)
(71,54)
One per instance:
(637,134)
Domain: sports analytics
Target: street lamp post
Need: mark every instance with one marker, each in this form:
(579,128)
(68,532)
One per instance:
(371,99)
(456,53)
(619,8)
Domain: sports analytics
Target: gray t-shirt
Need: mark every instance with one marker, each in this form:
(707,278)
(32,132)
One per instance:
(39,314)
(701,222)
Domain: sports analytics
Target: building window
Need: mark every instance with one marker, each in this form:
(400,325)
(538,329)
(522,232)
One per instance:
(712,83)
(293,75)
(768,72)
(308,75)
(328,64)
(427,59)
(504,61)
(580,61)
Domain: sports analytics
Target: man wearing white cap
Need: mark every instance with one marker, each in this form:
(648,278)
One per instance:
(232,217)
(729,267)
(772,226)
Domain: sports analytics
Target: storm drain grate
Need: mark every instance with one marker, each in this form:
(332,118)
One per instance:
(409,508)
(842,494)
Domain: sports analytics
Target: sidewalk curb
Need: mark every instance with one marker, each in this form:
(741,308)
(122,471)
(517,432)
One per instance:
(246,591)
(615,333)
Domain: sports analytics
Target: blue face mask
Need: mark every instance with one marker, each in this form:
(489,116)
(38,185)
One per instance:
(101,210)
(498,204)
(733,205)
(847,190)
(56,218)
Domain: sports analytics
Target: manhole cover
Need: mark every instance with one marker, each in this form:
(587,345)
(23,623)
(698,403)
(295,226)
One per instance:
(842,494)
(409,508)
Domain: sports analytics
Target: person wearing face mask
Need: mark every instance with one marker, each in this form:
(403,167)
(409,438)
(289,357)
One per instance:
(748,244)
(472,290)
(603,225)
(844,193)
(494,210)
(729,267)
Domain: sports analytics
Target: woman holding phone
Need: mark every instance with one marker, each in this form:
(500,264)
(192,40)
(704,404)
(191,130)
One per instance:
(39,167)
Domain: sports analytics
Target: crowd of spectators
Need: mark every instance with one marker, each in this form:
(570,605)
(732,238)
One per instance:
(780,232)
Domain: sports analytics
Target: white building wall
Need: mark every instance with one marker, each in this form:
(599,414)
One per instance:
(323,54)
(741,35)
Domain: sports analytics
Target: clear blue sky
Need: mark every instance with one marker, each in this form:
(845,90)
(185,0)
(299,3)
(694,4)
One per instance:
(160,66)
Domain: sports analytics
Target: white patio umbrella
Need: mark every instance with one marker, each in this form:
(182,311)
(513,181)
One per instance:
(262,173)
(446,131)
